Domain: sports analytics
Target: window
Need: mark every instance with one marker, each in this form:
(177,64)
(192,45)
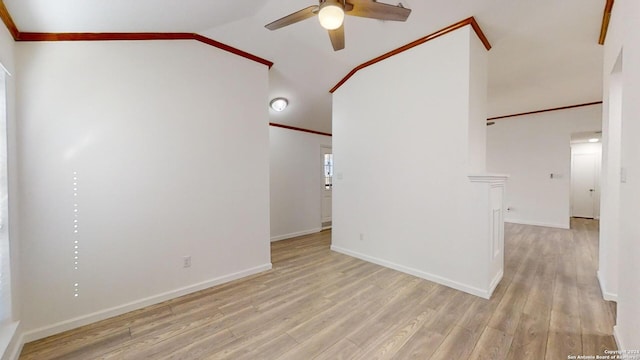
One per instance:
(328,171)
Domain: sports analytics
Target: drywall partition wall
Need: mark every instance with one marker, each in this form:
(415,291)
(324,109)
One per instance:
(532,147)
(140,154)
(295,181)
(477,107)
(401,146)
(623,42)
(610,182)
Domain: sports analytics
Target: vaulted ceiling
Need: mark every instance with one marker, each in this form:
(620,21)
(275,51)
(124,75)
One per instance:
(545,52)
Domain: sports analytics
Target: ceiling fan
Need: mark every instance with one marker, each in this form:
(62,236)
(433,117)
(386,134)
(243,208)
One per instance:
(331,15)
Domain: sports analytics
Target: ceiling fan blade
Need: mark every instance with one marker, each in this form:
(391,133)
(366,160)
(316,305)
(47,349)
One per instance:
(293,18)
(375,10)
(337,38)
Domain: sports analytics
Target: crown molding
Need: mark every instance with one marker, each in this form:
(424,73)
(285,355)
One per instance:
(460,24)
(39,36)
(8,21)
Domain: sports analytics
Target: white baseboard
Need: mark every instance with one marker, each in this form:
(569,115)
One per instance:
(606,295)
(8,338)
(486,294)
(618,338)
(295,234)
(16,348)
(138,304)
(494,283)
(537,223)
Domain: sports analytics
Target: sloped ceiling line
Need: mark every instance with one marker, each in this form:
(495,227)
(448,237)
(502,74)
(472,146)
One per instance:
(460,24)
(33,36)
(299,129)
(606,16)
(545,110)
(8,21)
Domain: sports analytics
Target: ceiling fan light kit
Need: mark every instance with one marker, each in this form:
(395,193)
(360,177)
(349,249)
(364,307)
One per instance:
(331,14)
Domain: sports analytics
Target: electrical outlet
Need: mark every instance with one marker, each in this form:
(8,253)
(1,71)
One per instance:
(361,237)
(186,262)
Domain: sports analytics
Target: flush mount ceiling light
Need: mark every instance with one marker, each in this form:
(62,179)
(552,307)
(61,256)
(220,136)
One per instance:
(594,140)
(279,104)
(331,14)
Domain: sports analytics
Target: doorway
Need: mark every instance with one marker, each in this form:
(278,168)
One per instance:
(586,155)
(327,186)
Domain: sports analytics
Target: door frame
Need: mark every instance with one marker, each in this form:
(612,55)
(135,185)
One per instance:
(597,156)
(323,149)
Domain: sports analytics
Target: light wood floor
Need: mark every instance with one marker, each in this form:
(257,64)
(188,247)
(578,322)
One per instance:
(317,304)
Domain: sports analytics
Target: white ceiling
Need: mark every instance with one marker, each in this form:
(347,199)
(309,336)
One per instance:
(545,52)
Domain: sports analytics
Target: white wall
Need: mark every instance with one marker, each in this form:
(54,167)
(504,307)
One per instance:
(610,181)
(624,37)
(403,153)
(169,143)
(531,147)
(296,182)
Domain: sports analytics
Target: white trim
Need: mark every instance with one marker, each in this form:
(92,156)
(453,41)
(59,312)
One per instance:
(296,234)
(606,295)
(618,338)
(7,336)
(486,294)
(138,304)
(323,148)
(327,228)
(495,282)
(537,223)
(17,349)
(3,68)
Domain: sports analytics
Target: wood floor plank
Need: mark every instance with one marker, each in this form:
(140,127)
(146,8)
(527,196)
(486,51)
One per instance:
(458,344)
(269,350)
(385,320)
(421,345)
(564,336)
(493,344)
(481,310)
(596,344)
(530,339)
(390,346)
(450,313)
(190,347)
(158,334)
(314,344)
(75,352)
(507,314)
(319,304)
(342,350)
(595,317)
(565,291)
